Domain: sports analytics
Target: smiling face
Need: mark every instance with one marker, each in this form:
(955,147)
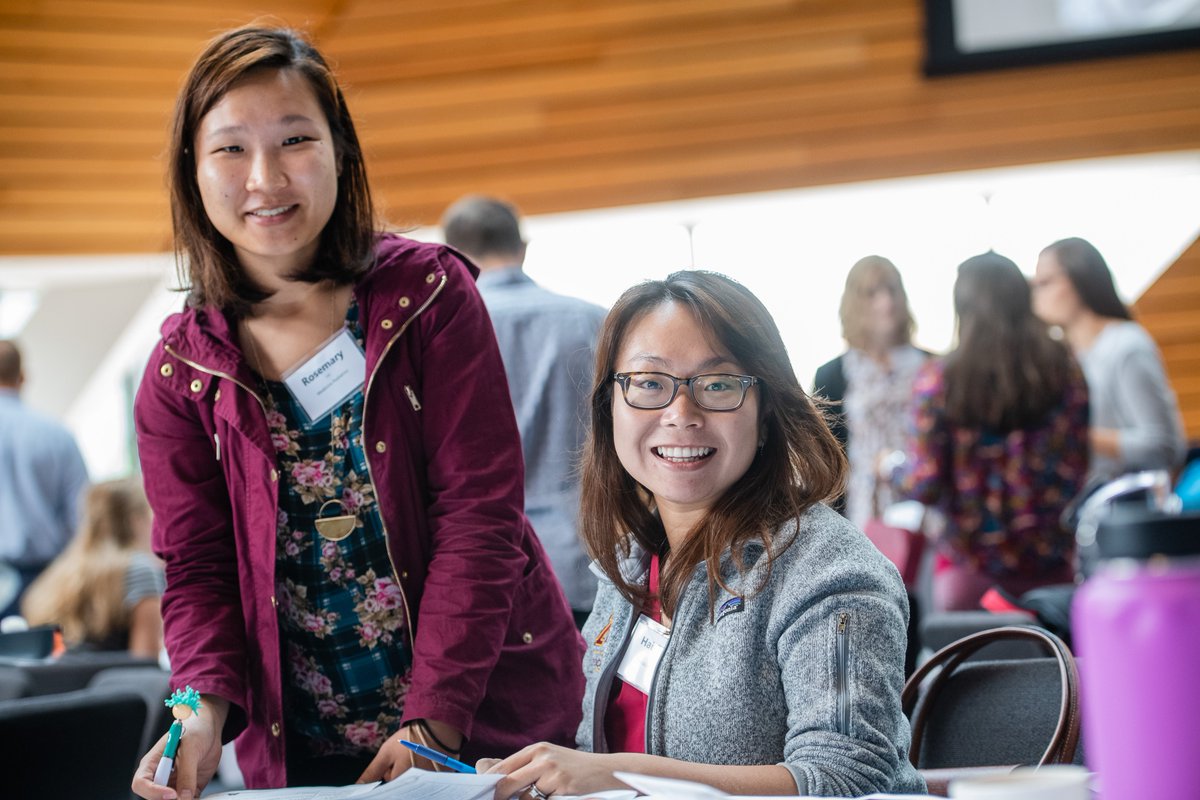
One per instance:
(268,173)
(685,456)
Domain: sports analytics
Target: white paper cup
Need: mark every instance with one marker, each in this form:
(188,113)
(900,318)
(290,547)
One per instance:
(1058,782)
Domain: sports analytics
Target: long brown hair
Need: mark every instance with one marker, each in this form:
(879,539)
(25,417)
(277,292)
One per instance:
(799,463)
(1007,371)
(83,590)
(206,260)
(1089,275)
(868,273)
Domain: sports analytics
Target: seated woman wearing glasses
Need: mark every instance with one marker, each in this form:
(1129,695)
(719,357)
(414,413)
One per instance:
(744,635)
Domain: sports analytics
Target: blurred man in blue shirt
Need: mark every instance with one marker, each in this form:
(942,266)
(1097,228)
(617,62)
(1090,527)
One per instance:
(42,479)
(548,344)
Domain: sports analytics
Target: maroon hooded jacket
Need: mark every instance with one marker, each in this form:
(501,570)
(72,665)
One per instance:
(496,654)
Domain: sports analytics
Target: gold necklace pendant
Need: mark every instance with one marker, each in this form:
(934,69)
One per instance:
(337,527)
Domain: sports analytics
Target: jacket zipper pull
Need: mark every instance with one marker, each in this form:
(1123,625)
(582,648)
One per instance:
(412,397)
(217,441)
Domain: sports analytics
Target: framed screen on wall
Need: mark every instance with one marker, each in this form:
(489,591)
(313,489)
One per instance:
(965,35)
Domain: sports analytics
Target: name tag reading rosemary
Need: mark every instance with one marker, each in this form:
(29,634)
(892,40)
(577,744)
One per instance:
(645,650)
(328,378)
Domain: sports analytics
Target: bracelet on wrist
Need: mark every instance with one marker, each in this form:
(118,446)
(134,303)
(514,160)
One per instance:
(428,731)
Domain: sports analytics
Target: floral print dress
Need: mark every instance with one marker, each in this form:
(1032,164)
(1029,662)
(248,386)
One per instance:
(1002,493)
(343,618)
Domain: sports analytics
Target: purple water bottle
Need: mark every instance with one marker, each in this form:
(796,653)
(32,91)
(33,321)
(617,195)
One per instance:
(1136,627)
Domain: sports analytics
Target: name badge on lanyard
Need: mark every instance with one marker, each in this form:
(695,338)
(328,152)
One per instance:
(327,379)
(645,650)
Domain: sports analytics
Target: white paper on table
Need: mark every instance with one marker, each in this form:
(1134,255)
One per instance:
(414,784)
(671,789)
(299,793)
(668,788)
(420,784)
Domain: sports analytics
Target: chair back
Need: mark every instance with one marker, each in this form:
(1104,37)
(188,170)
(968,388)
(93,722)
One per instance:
(32,643)
(153,685)
(70,672)
(994,713)
(942,628)
(71,745)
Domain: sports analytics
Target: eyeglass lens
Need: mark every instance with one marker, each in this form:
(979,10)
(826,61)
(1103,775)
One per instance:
(716,392)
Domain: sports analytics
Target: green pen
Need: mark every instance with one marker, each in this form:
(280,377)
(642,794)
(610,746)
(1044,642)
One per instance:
(183,703)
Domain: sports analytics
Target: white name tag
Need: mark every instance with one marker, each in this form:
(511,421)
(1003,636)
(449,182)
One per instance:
(645,650)
(326,380)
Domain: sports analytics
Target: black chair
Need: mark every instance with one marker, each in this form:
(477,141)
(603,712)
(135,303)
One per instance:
(71,745)
(13,683)
(941,628)
(69,673)
(993,714)
(152,684)
(34,643)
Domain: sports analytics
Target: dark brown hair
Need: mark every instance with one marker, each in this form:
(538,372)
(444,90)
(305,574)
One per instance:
(855,311)
(1089,275)
(798,464)
(10,362)
(206,260)
(1006,372)
(484,227)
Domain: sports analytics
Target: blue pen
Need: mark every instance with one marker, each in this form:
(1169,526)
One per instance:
(438,758)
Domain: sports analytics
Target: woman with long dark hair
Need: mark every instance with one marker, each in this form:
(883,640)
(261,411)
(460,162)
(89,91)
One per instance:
(1135,417)
(999,442)
(332,459)
(744,635)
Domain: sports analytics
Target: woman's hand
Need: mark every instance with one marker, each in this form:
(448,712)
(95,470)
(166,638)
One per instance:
(394,758)
(196,759)
(553,770)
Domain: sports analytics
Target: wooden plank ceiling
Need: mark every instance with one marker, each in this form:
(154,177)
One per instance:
(1168,311)
(556,105)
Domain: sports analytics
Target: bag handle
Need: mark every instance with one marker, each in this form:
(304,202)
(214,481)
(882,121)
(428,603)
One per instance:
(883,472)
(1065,740)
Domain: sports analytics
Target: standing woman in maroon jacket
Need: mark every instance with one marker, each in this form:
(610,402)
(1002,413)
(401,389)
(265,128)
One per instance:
(329,451)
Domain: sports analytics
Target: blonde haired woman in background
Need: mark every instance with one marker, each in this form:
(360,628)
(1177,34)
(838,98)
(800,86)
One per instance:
(869,387)
(104,589)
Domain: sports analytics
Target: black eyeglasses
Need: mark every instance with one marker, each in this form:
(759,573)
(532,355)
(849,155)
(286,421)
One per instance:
(713,391)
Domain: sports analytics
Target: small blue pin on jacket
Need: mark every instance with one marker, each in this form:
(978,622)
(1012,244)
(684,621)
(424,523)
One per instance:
(438,758)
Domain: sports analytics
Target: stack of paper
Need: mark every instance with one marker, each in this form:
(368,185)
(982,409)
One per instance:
(670,789)
(415,784)
(419,784)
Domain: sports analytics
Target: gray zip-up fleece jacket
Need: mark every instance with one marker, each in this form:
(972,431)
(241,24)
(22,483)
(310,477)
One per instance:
(806,673)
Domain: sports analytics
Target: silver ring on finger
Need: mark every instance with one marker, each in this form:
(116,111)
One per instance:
(538,794)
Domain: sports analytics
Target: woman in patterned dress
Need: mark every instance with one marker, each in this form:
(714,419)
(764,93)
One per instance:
(332,459)
(999,442)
